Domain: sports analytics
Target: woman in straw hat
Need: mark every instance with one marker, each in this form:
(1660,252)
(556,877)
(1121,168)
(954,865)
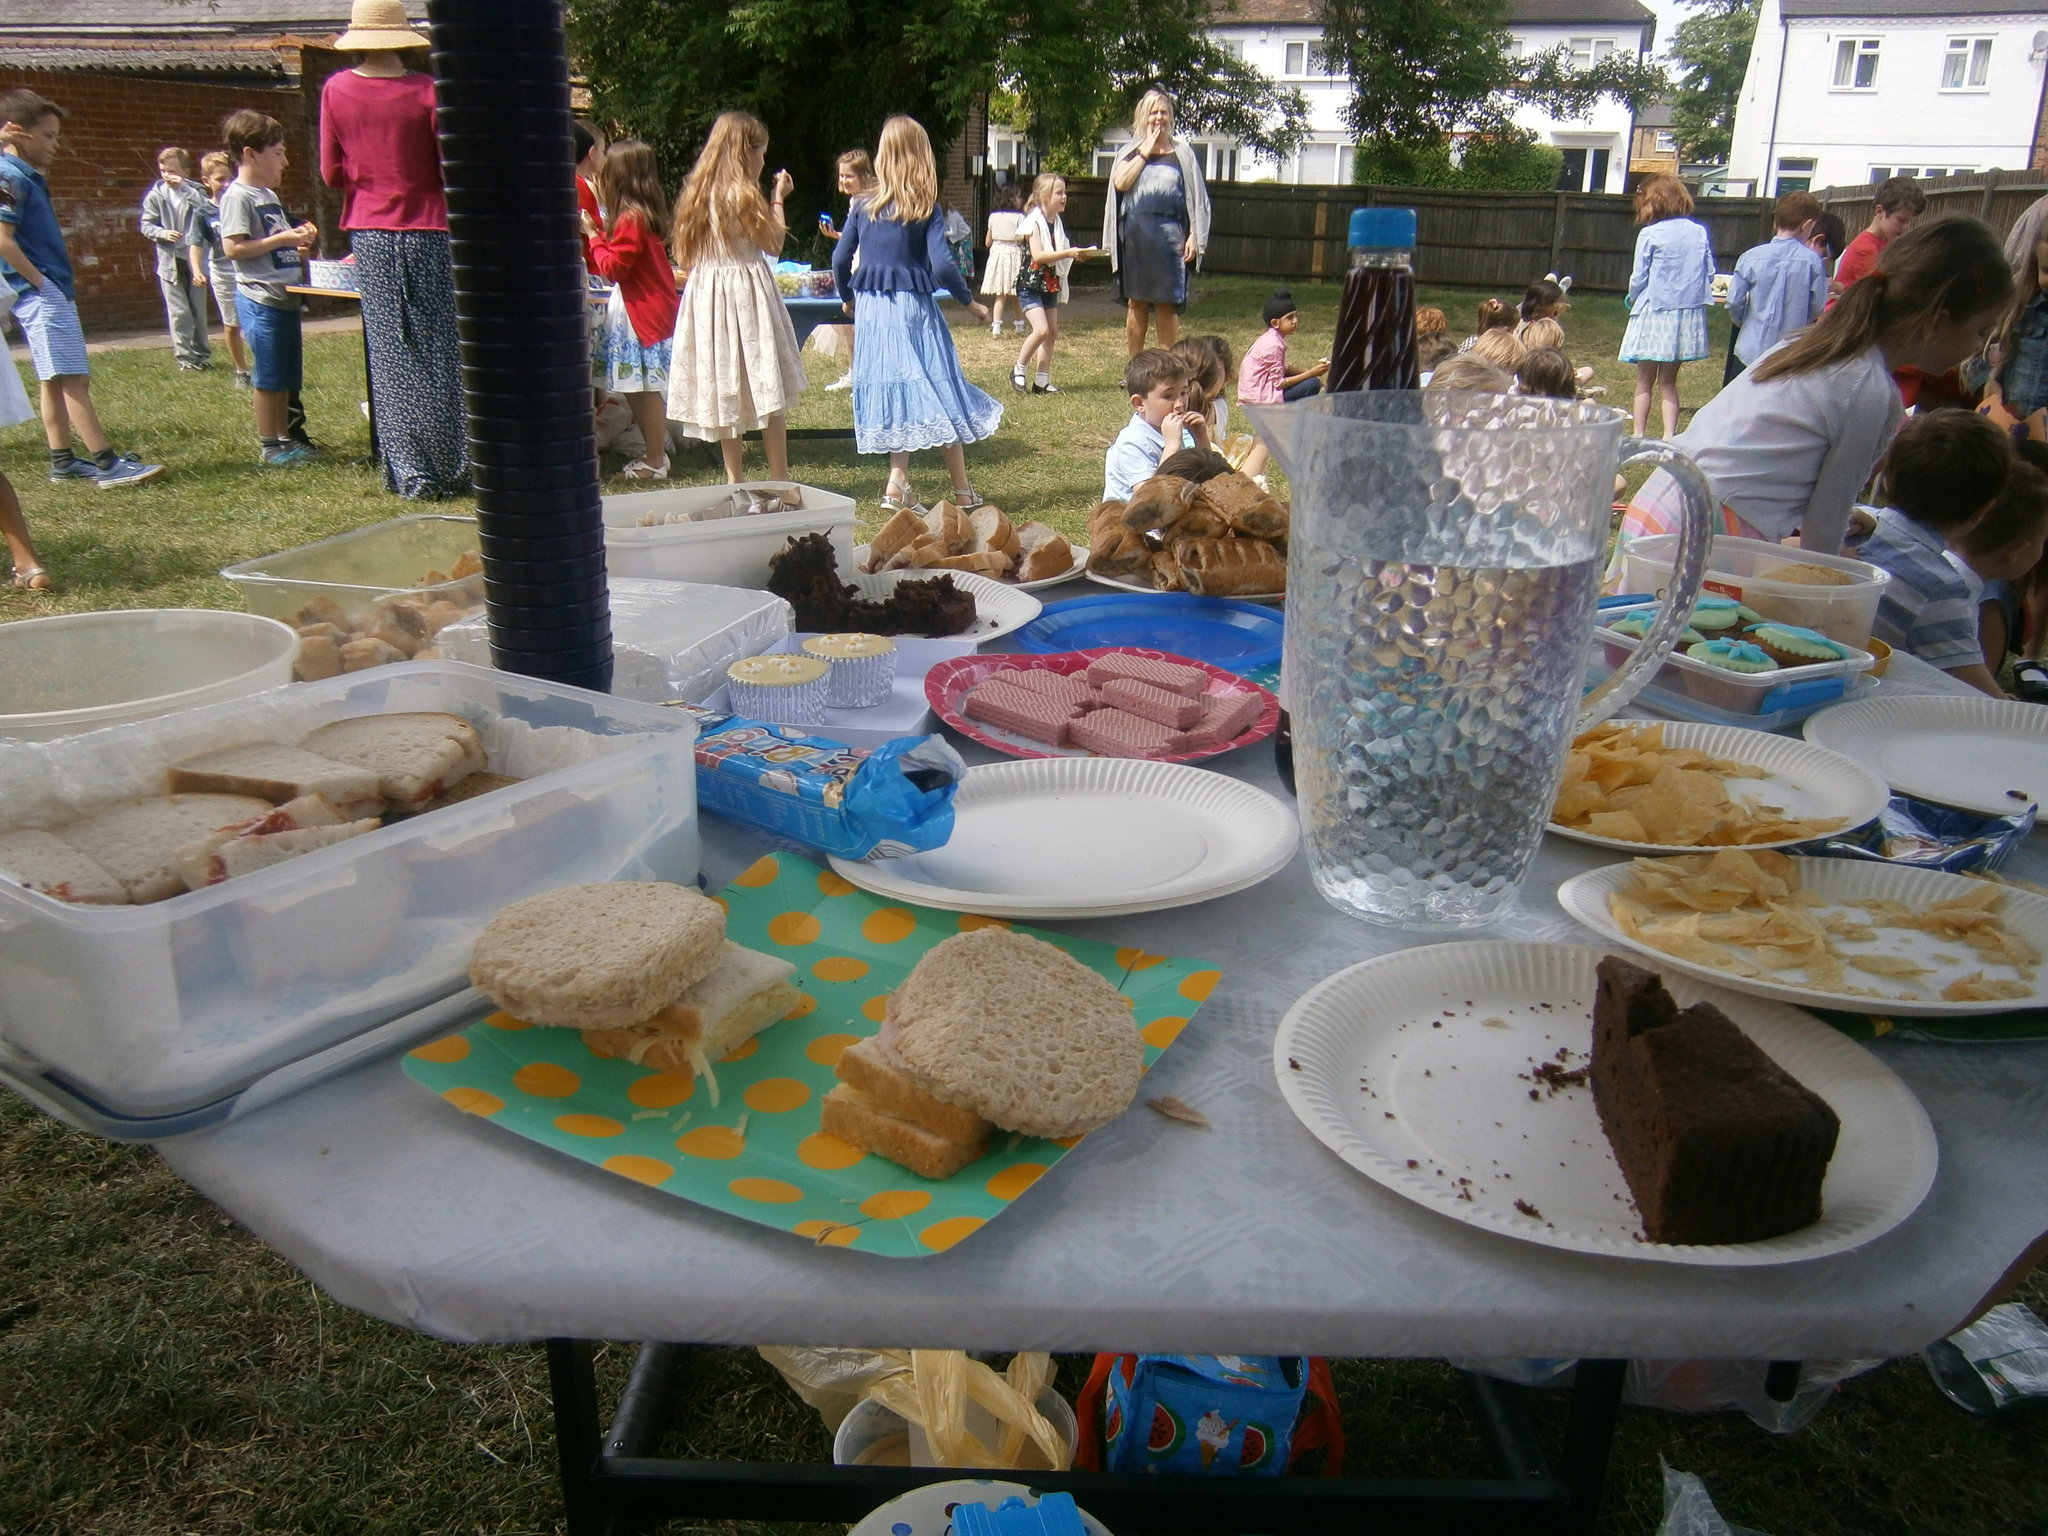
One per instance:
(377,148)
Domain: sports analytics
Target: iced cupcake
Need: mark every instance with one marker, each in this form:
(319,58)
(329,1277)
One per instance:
(1735,657)
(1636,625)
(1713,615)
(1791,646)
(863,668)
(781,689)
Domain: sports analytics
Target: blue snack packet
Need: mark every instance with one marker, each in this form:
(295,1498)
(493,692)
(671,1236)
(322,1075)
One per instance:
(1929,836)
(1224,1415)
(1053,1515)
(856,802)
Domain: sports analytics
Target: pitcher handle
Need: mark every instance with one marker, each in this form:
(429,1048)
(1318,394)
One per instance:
(1688,569)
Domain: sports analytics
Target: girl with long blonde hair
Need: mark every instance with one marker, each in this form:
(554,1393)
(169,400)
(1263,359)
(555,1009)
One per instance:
(1042,279)
(908,391)
(734,366)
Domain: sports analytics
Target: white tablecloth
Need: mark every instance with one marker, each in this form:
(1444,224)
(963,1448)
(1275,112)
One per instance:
(1249,1237)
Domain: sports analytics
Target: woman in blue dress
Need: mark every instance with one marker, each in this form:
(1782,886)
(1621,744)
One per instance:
(908,391)
(1155,221)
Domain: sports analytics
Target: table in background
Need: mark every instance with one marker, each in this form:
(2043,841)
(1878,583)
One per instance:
(1249,1238)
(354,297)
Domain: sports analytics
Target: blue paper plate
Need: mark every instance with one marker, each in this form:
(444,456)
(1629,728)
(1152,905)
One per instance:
(1235,636)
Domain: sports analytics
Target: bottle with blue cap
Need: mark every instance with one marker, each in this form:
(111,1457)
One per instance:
(1375,345)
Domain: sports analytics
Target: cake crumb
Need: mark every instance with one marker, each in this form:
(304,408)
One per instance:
(1528,1210)
(1495,1023)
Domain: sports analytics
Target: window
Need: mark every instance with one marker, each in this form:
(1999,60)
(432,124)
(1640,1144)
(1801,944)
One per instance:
(1297,58)
(1306,59)
(1667,142)
(1105,158)
(1585,52)
(1967,65)
(1317,164)
(1794,175)
(1232,45)
(1571,176)
(1856,64)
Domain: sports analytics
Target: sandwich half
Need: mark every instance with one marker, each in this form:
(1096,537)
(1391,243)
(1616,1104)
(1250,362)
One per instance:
(879,1107)
(745,993)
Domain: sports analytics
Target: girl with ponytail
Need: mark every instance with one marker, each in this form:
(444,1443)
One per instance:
(1791,442)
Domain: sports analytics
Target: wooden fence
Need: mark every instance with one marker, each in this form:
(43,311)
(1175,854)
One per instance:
(1498,240)
(1996,197)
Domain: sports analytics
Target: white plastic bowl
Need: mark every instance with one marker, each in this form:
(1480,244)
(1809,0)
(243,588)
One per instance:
(869,1424)
(81,671)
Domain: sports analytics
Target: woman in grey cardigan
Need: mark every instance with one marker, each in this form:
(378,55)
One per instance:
(1155,221)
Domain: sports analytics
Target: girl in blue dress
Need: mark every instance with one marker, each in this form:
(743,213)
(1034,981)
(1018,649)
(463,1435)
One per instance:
(908,391)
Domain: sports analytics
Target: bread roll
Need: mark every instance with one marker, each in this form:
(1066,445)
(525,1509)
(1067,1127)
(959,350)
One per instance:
(1230,567)
(1114,550)
(1046,553)
(1159,502)
(1242,507)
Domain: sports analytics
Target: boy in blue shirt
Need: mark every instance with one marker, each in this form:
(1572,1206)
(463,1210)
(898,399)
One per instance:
(38,268)
(1779,287)
(1157,383)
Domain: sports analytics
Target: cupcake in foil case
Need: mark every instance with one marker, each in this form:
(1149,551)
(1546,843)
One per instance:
(779,688)
(863,668)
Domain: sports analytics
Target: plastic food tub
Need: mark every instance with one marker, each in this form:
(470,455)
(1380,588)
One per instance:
(78,672)
(1693,690)
(723,551)
(161,1009)
(1741,569)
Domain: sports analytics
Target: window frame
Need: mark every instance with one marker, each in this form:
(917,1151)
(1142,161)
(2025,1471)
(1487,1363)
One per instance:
(1970,49)
(1851,52)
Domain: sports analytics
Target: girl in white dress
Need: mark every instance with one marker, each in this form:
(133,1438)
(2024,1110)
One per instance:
(1005,255)
(734,367)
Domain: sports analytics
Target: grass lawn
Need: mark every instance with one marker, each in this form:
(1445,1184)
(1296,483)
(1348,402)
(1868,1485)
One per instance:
(162,1372)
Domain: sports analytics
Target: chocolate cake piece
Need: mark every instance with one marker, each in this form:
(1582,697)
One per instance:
(805,574)
(1719,1144)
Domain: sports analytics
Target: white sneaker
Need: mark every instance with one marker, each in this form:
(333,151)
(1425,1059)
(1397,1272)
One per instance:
(845,381)
(640,469)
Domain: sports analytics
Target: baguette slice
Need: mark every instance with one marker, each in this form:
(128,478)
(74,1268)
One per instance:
(137,841)
(1046,553)
(415,756)
(899,533)
(44,862)
(948,524)
(858,1123)
(991,562)
(989,528)
(201,867)
(278,774)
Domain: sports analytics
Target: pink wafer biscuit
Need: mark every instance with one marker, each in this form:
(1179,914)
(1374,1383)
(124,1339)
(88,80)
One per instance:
(1150,703)
(1116,734)
(1226,715)
(1174,678)
(1058,685)
(1036,715)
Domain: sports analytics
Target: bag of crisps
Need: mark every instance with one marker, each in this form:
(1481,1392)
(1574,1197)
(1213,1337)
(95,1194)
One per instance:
(1223,1415)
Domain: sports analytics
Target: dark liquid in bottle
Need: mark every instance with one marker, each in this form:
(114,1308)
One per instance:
(1375,349)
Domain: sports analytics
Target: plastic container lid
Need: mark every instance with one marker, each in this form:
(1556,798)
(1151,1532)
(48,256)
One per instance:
(1383,227)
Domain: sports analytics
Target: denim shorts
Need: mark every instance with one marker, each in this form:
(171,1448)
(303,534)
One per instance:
(1026,299)
(276,348)
(49,322)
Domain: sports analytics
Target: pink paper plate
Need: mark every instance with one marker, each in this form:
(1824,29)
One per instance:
(946,685)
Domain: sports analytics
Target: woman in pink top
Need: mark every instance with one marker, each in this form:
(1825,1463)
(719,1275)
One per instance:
(377,147)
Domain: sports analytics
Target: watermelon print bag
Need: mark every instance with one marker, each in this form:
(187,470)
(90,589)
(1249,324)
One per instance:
(1214,1415)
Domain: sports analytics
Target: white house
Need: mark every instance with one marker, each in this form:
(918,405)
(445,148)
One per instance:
(1282,38)
(1847,91)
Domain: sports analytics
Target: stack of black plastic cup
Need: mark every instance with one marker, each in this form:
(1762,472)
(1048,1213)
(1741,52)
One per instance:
(501,72)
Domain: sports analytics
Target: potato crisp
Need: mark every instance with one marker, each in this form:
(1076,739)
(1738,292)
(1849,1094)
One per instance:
(1621,781)
(1744,911)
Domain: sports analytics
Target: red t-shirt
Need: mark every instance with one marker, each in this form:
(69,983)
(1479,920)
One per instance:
(1859,260)
(633,256)
(377,146)
(586,200)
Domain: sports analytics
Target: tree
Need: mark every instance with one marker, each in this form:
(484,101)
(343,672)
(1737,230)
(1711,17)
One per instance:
(1712,50)
(1512,162)
(1423,71)
(823,74)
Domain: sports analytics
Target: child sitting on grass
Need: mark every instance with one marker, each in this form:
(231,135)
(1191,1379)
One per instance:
(1432,337)
(1263,379)
(1493,315)
(1945,471)
(1157,383)
(2003,549)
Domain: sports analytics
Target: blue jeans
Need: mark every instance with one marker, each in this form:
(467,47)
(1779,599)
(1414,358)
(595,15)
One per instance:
(1305,390)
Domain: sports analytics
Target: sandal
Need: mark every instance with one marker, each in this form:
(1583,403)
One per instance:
(1017,379)
(967,501)
(34,579)
(904,500)
(2030,681)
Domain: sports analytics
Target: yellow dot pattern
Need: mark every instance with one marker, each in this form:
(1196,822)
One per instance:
(760,1152)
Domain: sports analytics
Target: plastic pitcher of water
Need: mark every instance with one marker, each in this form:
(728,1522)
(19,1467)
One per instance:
(1443,574)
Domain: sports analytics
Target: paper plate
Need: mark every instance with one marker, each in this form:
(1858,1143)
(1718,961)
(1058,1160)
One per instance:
(1123,585)
(999,608)
(1837,881)
(1239,637)
(1073,572)
(1801,779)
(928,1511)
(946,687)
(1072,837)
(1979,753)
(759,1154)
(1418,1068)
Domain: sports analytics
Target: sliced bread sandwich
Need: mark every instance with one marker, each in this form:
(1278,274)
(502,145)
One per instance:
(878,1107)
(598,956)
(137,841)
(279,773)
(415,756)
(745,994)
(200,865)
(44,862)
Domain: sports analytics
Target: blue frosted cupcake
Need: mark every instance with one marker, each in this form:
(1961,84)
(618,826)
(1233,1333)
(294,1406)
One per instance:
(1791,646)
(1737,659)
(1713,615)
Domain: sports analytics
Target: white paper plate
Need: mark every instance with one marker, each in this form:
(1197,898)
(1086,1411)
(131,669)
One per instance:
(1803,780)
(1072,573)
(1151,591)
(998,607)
(1983,754)
(1585,898)
(1415,1069)
(1053,837)
(927,1511)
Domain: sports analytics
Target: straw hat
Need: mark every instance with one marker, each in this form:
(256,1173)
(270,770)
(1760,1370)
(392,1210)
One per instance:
(376,24)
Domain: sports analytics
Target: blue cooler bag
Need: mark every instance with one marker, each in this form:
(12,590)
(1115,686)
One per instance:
(1225,1415)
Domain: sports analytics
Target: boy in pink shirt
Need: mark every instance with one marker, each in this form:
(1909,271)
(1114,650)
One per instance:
(1263,379)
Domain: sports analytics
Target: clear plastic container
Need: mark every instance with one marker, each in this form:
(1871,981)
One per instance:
(77,672)
(358,569)
(159,1009)
(1741,569)
(1693,690)
(722,551)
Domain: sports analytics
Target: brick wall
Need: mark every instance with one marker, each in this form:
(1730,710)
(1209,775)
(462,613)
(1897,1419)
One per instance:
(113,127)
